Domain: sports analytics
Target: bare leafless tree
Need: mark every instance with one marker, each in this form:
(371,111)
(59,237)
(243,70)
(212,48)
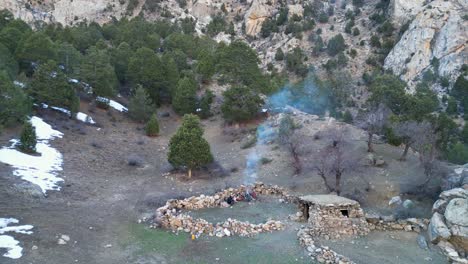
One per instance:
(289,139)
(425,143)
(408,132)
(336,158)
(373,121)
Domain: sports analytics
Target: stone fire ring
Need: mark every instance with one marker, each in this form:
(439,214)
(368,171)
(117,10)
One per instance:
(170,217)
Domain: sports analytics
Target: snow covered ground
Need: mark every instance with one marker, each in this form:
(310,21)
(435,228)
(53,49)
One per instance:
(14,250)
(79,116)
(41,170)
(113,104)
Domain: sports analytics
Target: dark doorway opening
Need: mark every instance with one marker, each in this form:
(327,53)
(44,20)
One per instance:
(305,211)
(345,213)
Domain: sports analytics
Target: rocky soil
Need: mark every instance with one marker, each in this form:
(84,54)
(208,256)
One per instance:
(102,196)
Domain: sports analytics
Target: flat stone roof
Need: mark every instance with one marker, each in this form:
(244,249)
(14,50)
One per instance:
(327,200)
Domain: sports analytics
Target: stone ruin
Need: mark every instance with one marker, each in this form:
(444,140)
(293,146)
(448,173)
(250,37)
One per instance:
(170,215)
(333,216)
(328,216)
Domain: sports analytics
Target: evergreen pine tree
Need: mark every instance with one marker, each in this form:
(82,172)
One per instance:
(348,117)
(279,55)
(28,138)
(205,104)
(185,98)
(152,127)
(206,66)
(187,147)
(140,106)
(50,85)
(14,103)
(240,104)
(171,76)
(97,71)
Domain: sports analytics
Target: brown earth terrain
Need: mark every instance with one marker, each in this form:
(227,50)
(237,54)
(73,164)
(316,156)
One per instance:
(102,195)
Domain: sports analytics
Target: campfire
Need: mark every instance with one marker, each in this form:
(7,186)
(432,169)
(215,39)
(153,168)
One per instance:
(248,195)
(171,216)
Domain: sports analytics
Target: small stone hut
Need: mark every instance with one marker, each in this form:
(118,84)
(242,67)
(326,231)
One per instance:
(333,216)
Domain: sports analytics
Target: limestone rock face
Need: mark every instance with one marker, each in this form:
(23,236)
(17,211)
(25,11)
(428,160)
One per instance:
(437,31)
(295,10)
(65,11)
(403,11)
(258,12)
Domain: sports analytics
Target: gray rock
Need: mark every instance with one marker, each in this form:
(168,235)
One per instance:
(403,11)
(164,114)
(437,229)
(436,32)
(380,162)
(372,218)
(29,190)
(457,212)
(452,181)
(439,206)
(422,243)
(454,193)
(460,231)
(464,182)
(408,204)
(388,218)
(395,200)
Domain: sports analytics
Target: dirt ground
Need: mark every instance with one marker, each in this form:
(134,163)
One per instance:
(102,197)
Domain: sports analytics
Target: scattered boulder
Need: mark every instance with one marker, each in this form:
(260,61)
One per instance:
(408,204)
(134,160)
(454,193)
(63,239)
(457,212)
(449,224)
(437,229)
(379,162)
(396,200)
(29,190)
(439,206)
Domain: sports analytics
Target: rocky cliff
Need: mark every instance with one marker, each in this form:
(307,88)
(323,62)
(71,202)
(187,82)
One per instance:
(435,40)
(65,12)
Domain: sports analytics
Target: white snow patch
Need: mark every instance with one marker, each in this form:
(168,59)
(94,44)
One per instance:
(14,250)
(79,116)
(20,84)
(22,229)
(113,104)
(44,131)
(41,170)
(85,118)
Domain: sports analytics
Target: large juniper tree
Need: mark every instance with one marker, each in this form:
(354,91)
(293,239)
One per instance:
(187,148)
